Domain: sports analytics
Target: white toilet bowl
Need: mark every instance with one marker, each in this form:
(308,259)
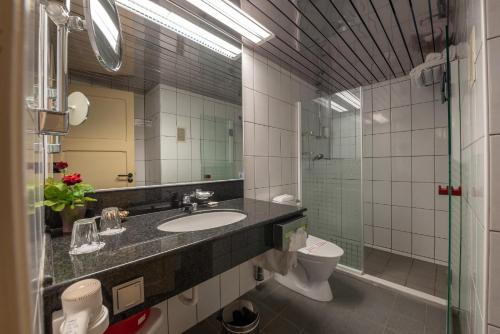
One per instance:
(315,265)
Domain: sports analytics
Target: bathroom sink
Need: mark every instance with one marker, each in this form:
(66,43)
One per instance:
(202,221)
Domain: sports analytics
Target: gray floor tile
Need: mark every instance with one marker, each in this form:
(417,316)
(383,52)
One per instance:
(281,326)
(410,307)
(358,307)
(404,325)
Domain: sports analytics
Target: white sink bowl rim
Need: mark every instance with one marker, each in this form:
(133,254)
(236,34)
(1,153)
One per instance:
(202,221)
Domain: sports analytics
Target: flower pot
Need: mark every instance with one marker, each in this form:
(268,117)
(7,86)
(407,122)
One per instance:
(69,216)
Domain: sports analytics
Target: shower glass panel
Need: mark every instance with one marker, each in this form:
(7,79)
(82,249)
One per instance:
(331,171)
(221,145)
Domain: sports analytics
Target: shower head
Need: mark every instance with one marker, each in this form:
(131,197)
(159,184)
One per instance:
(318,156)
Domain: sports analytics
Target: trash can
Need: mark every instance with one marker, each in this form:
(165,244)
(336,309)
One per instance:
(240,317)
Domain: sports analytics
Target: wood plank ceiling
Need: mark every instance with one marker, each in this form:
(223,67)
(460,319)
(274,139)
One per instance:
(333,44)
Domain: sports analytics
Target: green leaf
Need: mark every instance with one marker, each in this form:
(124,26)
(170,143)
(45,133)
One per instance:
(58,207)
(48,202)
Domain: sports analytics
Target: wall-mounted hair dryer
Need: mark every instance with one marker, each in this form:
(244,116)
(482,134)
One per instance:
(83,310)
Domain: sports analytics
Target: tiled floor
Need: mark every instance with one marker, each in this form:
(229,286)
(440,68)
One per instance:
(420,275)
(358,307)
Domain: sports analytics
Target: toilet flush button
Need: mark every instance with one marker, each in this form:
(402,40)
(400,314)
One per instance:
(128,295)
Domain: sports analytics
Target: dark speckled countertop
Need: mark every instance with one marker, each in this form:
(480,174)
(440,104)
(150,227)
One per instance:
(142,240)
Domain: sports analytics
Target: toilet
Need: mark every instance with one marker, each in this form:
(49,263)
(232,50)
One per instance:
(315,265)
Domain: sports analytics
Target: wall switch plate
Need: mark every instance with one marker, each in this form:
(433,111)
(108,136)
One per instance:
(128,295)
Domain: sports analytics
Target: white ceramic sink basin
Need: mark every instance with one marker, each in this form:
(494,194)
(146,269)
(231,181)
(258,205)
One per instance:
(202,221)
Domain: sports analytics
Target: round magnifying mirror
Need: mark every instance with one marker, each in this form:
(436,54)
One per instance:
(78,107)
(103,26)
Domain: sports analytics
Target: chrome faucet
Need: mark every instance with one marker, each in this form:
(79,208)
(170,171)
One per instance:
(187,202)
(190,200)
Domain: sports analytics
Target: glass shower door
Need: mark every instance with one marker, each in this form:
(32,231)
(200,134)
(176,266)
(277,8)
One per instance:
(452,91)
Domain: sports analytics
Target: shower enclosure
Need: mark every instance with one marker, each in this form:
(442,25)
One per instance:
(331,171)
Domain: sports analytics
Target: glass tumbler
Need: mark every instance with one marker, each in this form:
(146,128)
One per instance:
(111,221)
(84,238)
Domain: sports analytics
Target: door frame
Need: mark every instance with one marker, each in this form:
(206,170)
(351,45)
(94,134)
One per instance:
(14,268)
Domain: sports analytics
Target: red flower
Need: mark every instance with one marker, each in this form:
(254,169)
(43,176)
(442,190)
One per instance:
(59,166)
(72,179)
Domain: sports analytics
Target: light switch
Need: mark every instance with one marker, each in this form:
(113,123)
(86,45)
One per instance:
(128,295)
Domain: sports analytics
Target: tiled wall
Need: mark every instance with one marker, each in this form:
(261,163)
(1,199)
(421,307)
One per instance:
(207,149)
(492,63)
(139,127)
(214,294)
(270,126)
(404,161)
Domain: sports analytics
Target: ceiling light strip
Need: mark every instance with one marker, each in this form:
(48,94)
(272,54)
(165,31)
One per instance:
(160,15)
(229,14)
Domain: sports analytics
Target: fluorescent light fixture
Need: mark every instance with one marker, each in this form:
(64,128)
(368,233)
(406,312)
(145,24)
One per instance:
(335,106)
(231,15)
(162,16)
(350,98)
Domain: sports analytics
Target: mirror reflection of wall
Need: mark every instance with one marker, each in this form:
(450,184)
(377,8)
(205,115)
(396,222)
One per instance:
(171,114)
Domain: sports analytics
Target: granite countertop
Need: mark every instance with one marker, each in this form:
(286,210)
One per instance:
(142,240)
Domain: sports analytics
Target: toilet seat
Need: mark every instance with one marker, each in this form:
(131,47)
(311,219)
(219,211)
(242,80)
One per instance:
(317,248)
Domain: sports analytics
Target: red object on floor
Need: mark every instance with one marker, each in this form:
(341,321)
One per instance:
(130,325)
(443,190)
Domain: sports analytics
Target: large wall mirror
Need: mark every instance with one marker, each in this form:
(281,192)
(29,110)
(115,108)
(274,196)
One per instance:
(171,114)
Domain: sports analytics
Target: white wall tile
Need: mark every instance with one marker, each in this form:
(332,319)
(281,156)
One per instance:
(274,142)
(401,241)
(180,317)
(382,192)
(423,245)
(368,234)
(262,172)
(423,142)
(401,143)
(401,218)
(248,105)
(401,193)
(441,141)
(261,140)
(401,119)
(422,115)
(260,76)
(400,94)
(247,280)
(423,221)
(420,95)
(382,237)
(423,195)
(229,285)
(441,169)
(381,98)
(495,182)
(209,298)
(442,224)
(381,145)
(441,249)
(248,143)
(423,169)
(401,168)
(382,215)
(381,169)
(261,108)
(382,121)
(274,171)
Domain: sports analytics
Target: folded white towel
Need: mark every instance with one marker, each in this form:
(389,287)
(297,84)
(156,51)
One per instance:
(280,262)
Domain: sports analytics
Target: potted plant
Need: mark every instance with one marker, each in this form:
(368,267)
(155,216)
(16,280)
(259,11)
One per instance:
(68,196)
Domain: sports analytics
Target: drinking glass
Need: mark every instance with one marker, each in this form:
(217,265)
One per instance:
(84,237)
(111,221)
